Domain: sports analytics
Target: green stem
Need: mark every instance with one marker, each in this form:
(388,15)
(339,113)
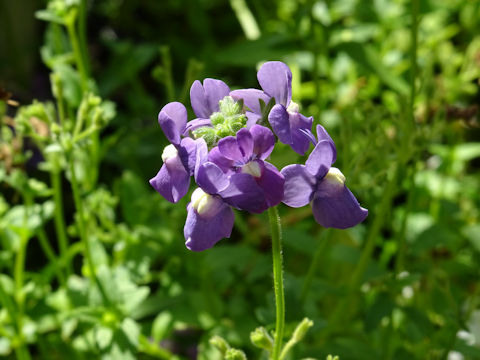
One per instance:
(276,233)
(167,68)
(83,236)
(77,52)
(410,128)
(59,220)
(82,31)
(246,19)
(47,249)
(307,283)
(413,58)
(18,276)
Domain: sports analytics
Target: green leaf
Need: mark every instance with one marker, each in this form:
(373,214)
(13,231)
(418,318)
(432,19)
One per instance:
(50,16)
(162,325)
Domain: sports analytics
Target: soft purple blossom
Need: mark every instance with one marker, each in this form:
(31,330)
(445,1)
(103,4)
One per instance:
(323,186)
(255,185)
(204,99)
(209,217)
(289,125)
(173,179)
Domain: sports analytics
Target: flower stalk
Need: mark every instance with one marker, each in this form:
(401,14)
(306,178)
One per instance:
(276,233)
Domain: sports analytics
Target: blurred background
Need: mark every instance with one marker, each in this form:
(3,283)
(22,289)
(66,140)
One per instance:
(396,84)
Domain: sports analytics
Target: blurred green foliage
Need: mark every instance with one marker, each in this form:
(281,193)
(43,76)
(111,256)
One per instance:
(403,285)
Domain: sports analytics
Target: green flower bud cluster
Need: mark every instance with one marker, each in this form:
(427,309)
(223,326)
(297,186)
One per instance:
(225,122)
(228,352)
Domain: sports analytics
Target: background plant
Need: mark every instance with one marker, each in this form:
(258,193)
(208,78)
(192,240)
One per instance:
(404,285)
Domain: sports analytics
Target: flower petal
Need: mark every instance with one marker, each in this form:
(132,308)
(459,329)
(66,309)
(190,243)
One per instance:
(252,119)
(251,98)
(195,124)
(221,161)
(172,182)
(320,160)
(299,185)
(187,151)
(337,208)
(298,125)
(215,90)
(201,234)
(279,120)
(229,148)
(263,141)
(245,143)
(322,134)
(199,100)
(275,78)
(173,119)
(272,183)
(211,178)
(244,193)
(201,155)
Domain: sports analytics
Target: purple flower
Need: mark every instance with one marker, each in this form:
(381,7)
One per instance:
(323,186)
(205,101)
(173,179)
(289,125)
(209,217)
(255,185)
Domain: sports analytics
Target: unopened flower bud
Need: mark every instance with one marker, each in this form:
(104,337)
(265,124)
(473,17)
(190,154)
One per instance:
(330,357)
(229,107)
(235,354)
(302,329)
(220,344)
(261,339)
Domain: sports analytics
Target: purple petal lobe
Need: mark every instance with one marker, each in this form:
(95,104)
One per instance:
(201,155)
(187,151)
(173,119)
(263,141)
(195,124)
(252,119)
(199,100)
(320,160)
(216,157)
(229,148)
(251,98)
(244,193)
(245,143)
(201,233)
(272,183)
(298,124)
(322,134)
(279,120)
(211,178)
(338,209)
(299,185)
(172,182)
(215,90)
(275,78)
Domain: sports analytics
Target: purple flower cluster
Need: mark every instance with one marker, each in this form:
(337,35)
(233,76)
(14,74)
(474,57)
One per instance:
(226,147)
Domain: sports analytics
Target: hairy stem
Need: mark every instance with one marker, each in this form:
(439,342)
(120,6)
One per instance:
(276,233)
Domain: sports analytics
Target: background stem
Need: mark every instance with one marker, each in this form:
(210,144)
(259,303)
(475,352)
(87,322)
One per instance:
(81,224)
